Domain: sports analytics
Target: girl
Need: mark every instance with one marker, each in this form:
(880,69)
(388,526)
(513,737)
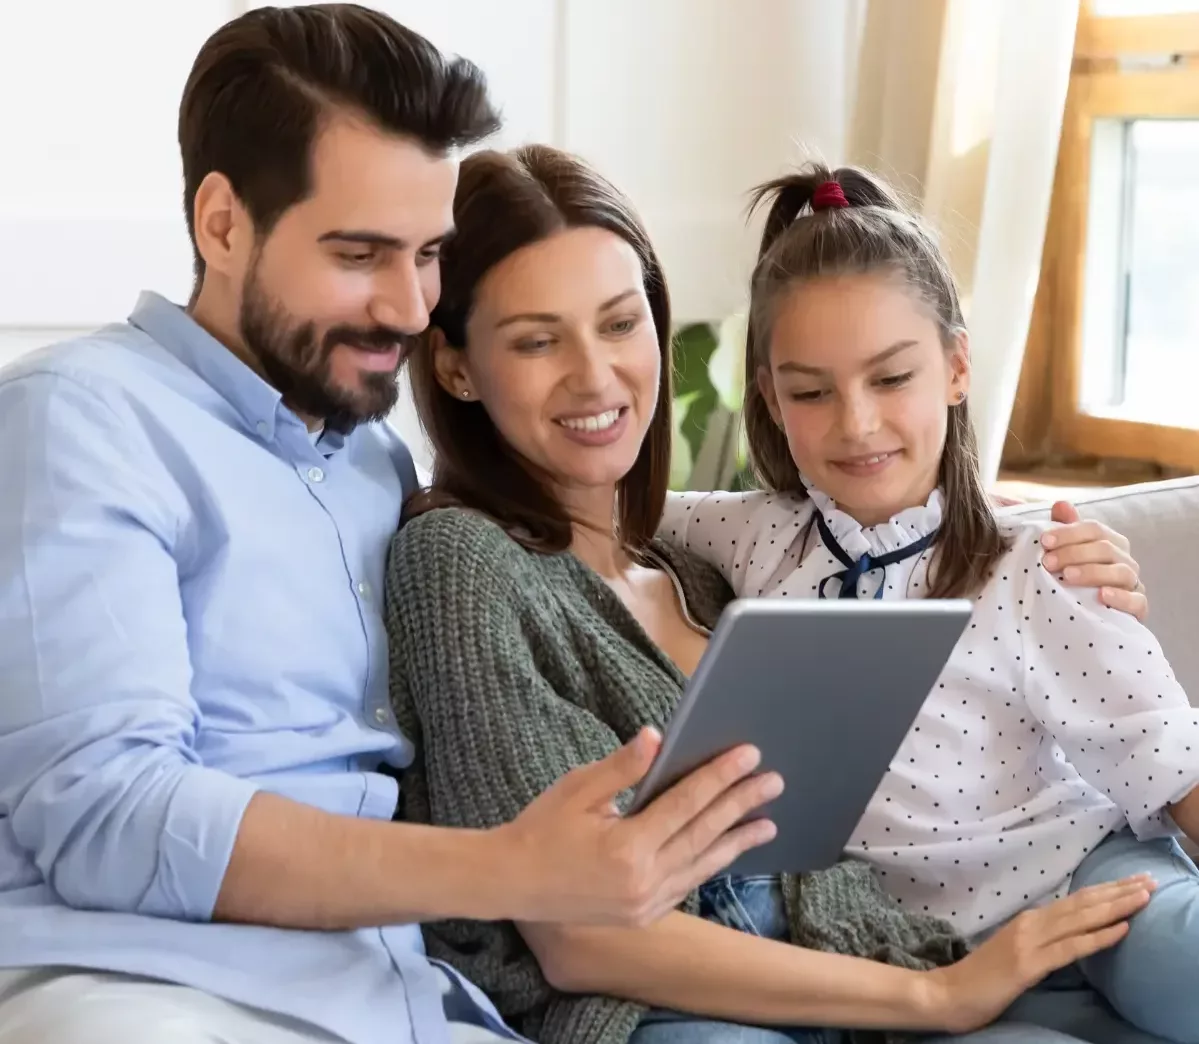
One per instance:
(1056,721)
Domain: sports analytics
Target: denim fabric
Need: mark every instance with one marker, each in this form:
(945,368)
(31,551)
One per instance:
(1066,1003)
(747,904)
(656,1028)
(1143,990)
(750,904)
(1151,977)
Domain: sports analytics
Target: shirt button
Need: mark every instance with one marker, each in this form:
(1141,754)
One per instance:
(381,716)
(364,590)
(316,475)
(262,428)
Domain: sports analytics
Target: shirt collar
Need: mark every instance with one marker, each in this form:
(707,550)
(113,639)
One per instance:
(256,402)
(903,529)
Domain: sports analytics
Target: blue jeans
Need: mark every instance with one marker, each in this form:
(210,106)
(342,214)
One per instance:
(1067,1008)
(1151,977)
(755,905)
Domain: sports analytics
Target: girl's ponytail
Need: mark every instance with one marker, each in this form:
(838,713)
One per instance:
(787,197)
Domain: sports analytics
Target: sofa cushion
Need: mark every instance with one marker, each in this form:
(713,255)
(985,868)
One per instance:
(1161,519)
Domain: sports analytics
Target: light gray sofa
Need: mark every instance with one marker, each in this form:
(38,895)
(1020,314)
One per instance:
(1162,521)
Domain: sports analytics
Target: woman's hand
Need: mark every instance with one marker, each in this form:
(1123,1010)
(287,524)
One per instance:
(1090,554)
(979,988)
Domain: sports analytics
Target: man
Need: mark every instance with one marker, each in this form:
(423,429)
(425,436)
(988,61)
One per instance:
(197,757)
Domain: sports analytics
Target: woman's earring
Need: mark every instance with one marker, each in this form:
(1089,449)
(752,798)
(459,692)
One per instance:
(466,393)
(961,397)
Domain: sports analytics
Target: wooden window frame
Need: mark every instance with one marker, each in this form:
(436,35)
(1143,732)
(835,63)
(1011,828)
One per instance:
(1048,420)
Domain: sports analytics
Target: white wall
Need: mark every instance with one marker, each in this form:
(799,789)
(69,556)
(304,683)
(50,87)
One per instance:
(90,186)
(683,103)
(686,104)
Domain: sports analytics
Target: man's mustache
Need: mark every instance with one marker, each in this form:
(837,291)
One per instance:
(372,339)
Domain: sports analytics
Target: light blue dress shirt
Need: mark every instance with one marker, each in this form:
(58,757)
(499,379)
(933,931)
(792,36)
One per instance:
(190,596)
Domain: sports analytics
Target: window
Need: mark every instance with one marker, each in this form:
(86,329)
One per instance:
(1112,365)
(1140,330)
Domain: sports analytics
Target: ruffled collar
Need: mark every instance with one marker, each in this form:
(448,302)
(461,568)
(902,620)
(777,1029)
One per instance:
(899,531)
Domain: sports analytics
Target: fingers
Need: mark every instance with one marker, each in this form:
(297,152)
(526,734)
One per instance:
(1095,552)
(1118,575)
(1086,922)
(1132,602)
(1089,532)
(718,857)
(693,843)
(695,829)
(1096,563)
(599,783)
(679,807)
(1090,909)
(1066,952)
(1064,512)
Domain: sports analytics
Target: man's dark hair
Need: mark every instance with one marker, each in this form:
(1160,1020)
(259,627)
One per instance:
(263,84)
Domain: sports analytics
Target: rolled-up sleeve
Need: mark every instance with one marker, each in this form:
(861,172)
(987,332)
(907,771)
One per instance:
(99,775)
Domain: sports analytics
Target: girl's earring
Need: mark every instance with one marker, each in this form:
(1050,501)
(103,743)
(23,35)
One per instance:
(961,397)
(466,393)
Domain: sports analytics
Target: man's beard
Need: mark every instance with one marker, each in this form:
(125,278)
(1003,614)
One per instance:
(298,364)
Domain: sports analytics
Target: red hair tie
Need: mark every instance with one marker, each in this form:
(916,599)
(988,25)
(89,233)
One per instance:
(828,195)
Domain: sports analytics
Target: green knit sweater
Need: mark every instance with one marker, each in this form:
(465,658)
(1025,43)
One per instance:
(509,668)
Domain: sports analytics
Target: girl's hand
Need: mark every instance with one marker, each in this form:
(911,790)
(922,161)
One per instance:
(980,987)
(1090,554)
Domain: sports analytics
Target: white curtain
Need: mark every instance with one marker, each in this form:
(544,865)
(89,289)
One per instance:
(961,102)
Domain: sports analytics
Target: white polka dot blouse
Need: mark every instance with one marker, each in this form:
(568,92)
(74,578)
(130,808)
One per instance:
(1055,721)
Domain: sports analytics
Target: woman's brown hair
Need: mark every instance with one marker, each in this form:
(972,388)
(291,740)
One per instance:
(873,233)
(506,201)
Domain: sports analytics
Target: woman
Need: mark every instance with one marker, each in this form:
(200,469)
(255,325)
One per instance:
(536,624)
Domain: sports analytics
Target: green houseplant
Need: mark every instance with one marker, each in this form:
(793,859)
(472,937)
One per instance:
(709,438)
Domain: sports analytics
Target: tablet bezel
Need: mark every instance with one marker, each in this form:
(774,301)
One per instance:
(908,640)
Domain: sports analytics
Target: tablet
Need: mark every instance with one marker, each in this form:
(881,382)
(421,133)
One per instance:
(827,691)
